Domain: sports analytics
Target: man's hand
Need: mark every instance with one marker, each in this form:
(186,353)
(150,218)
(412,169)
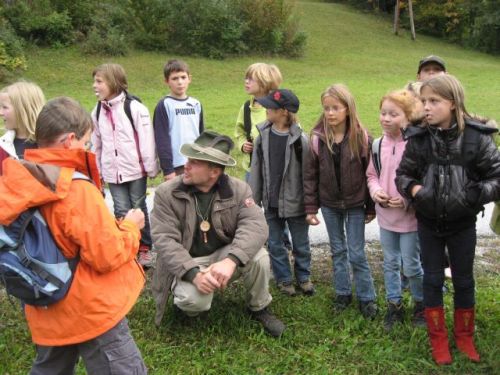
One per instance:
(169,176)
(247,147)
(222,271)
(205,282)
(312,219)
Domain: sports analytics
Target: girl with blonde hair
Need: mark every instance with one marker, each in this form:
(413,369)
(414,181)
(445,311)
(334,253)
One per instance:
(397,222)
(334,179)
(449,170)
(20,104)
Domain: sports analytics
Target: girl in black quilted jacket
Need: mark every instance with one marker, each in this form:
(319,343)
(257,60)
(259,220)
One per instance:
(450,168)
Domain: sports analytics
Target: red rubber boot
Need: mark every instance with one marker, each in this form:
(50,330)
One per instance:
(464,333)
(438,335)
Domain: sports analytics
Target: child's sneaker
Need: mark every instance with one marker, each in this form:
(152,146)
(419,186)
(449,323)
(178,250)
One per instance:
(395,314)
(144,257)
(368,309)
(287,288)
(342,302)
(307,287)
(418,318)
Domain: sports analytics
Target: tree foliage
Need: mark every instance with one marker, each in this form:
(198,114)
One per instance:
(212,28)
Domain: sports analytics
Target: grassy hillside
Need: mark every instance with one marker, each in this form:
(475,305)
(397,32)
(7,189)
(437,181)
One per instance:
(344,45)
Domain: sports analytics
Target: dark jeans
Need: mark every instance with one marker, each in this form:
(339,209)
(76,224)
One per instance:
(461,248)
(125,196)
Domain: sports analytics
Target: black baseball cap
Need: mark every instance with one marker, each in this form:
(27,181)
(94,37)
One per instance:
(431,59)
(280,99)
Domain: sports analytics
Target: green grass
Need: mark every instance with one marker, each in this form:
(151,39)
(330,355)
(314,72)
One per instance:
(343,46)
(317,340)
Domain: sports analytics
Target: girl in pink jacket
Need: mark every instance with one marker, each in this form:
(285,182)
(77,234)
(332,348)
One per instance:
(398,225)
(123,140)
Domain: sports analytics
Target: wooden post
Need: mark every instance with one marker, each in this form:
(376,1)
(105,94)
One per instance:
(396,17)
(412,23)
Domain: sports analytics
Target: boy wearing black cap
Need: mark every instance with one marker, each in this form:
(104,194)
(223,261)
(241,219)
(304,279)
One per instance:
(276,180)
(428,67)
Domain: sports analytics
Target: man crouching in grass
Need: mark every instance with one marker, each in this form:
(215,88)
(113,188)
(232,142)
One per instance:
(208,231)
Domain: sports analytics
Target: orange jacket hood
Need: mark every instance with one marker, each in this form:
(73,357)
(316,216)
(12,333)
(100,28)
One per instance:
(43,177)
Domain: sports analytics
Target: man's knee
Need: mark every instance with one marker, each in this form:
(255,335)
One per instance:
(260,260)
(190,300)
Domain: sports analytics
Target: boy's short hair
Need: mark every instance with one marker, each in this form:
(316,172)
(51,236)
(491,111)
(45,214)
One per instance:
(173,66)
(114,75)
(60,116)
(268,76)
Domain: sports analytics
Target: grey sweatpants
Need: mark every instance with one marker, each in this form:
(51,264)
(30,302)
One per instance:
(113,352)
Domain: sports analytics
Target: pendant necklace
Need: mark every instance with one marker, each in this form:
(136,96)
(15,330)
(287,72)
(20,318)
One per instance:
(204,224)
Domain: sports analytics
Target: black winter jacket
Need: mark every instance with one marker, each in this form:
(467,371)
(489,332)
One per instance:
(454,187)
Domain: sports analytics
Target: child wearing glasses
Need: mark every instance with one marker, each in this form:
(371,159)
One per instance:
(334,180)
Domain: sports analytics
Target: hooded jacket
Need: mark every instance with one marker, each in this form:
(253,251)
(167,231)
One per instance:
(291,194)
(107,279)
(400,220)
(452,191)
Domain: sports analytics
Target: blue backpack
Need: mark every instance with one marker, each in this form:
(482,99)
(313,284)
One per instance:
(32,268)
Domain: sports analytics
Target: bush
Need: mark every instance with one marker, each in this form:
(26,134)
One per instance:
(212,28)
(12,59)
(270,26)
(110,42)
(39,23)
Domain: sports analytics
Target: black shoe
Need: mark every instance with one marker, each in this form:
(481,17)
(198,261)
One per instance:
(418,318)
(394,314)
(269,321)
(368,309)
(342,302)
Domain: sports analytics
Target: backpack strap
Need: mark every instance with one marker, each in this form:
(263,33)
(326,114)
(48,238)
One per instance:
(128,112)
(376,147)
(247,120)
(98,111)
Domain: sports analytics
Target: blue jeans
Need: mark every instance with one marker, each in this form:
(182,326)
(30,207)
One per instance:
(124,197)
(396,246)
(299,229)
(338,223)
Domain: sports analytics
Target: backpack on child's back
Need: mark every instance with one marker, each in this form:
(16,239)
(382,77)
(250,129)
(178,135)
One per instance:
(32,267)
